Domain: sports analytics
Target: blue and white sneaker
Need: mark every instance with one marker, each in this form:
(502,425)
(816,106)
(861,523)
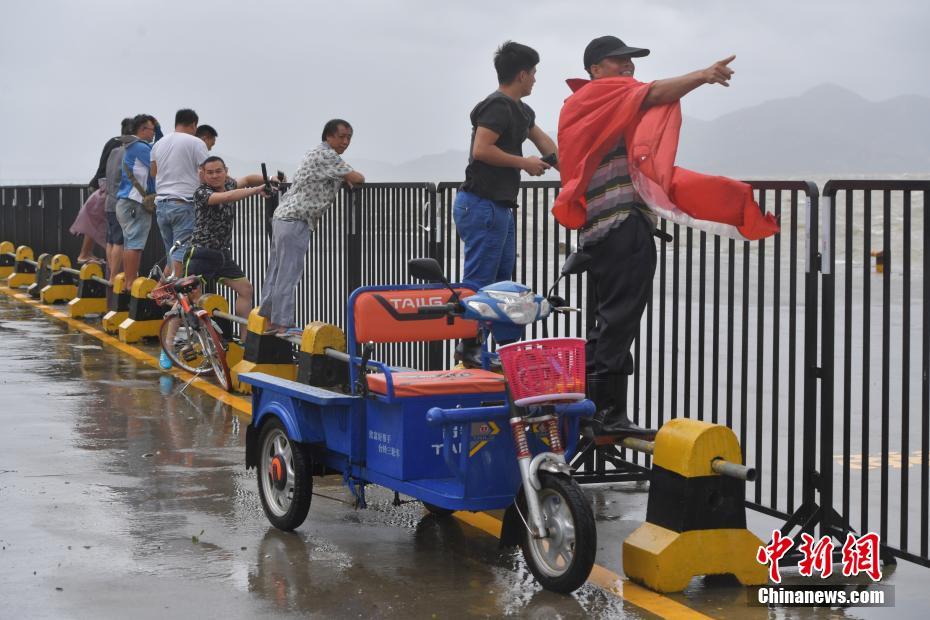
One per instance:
(164,362)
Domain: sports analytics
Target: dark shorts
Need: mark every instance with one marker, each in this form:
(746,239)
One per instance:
(114,230)
(212,265)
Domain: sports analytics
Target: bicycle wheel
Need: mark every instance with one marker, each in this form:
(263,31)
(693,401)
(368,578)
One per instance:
(183,346)
(214,352)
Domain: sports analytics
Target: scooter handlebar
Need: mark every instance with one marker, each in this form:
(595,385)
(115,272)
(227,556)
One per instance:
(442,309)
(437,416)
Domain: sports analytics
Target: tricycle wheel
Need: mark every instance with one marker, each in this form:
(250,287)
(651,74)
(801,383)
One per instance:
(437,511)
(284,484)
(561,561)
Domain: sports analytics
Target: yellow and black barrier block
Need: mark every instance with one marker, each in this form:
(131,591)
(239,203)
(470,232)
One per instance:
(117,305)
(24,268)
(62,285)
(145,316)
(263,353)
(315,367)
(43,276)
(696,517)
(91,292)
(212,302)
(7,259)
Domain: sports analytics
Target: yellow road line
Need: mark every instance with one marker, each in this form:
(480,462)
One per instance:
(608,580)
(240,404)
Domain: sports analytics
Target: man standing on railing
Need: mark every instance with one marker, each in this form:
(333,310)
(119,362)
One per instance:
(114,176)
(136,182)
(614,200)
(176,159)
(485,204)
(313,191)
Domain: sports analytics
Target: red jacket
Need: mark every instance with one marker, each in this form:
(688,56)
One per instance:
(591,123)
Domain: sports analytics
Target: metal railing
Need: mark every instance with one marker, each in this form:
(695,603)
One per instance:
(876,363)
(736,333)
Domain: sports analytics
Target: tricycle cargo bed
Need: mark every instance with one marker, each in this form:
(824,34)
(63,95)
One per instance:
(308,393)
(309,414)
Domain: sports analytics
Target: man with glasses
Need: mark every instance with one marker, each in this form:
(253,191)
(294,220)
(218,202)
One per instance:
(133,218)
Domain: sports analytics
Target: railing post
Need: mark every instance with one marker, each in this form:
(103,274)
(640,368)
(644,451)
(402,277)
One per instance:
(433,250)
(354,241)
(828,292)
(811,369)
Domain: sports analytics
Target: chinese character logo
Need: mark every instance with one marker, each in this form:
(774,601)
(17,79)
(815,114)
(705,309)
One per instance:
(860,555)
(774,551)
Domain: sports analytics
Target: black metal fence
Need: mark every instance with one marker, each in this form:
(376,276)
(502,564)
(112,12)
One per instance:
(736,333)
(875,399)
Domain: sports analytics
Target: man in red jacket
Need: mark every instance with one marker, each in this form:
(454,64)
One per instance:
(618,225)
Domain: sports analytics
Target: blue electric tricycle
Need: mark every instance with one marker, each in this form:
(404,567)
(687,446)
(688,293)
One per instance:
(463,439)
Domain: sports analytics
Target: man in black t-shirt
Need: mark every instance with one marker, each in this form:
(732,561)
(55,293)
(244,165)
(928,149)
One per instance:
(484,205)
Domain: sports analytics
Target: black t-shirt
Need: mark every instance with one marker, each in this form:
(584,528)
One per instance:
(214,223)
(111,144)
(512,120)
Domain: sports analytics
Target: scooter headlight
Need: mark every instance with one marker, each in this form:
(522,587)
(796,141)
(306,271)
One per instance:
(482,308)
(521,308)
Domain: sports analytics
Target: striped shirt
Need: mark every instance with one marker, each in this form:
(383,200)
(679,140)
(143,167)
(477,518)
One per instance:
(611,197)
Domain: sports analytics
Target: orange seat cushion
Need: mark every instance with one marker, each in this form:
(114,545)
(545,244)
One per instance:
(391,316)
(439,382)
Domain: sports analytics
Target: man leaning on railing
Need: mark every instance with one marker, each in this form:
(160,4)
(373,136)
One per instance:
(312,192)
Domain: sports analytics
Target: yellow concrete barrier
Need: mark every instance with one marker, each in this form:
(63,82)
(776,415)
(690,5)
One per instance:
(91,292)
(117,305)
(24,268)
(263,353)
(145,316)
(696,518)
(62,285)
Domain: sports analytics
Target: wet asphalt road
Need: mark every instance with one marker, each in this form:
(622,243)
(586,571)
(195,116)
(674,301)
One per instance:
(122,496)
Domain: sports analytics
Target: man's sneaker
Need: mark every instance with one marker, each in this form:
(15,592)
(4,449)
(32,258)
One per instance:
(164,361)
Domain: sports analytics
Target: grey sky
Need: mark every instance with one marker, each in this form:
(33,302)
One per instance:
(268,74)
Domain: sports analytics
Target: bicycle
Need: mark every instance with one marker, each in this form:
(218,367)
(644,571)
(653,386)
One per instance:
(187,334)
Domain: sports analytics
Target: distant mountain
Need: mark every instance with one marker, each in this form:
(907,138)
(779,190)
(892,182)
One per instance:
(447,166)
(827,129)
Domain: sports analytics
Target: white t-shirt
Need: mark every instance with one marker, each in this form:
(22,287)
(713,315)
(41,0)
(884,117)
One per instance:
(177,157)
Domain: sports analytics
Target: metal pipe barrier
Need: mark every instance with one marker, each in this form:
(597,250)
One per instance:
(77,273)
(717,465)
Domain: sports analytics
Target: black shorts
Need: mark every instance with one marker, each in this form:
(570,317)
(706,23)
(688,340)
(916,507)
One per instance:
(212,265)
(114,230)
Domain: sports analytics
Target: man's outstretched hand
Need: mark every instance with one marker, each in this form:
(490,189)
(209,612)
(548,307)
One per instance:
(719,72)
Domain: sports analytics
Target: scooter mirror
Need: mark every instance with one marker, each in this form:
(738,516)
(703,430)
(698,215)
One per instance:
(425,269)
(577,262)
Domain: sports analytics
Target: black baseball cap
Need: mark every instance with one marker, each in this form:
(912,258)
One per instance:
(605,47)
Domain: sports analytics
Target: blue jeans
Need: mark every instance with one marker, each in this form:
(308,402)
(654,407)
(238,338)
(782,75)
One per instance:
(176,222)
(489,234)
